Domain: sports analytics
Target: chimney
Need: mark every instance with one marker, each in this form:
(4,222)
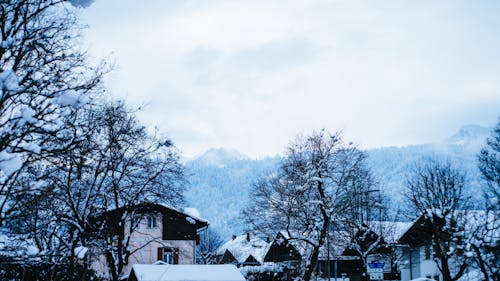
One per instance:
(234,237)
(248,236)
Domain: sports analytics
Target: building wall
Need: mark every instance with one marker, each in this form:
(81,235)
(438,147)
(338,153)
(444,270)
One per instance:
(420,266)
(145,242)
(379,258)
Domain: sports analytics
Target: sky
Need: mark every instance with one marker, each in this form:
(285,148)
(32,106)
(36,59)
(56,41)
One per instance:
(251,75)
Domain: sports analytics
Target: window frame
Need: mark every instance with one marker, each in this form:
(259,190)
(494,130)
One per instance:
(152,222)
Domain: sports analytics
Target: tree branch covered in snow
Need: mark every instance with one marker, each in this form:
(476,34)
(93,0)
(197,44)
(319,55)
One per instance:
(44,78)
(436,192)
(321,182)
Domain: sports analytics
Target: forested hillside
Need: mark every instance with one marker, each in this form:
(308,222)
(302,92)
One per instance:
(225,176)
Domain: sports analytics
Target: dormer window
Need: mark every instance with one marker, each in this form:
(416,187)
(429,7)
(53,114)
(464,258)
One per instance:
(152,223)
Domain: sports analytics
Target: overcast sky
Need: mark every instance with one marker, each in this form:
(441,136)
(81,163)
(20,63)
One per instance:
(253,74)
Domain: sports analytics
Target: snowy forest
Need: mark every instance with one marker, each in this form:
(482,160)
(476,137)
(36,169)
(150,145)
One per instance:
(71,152)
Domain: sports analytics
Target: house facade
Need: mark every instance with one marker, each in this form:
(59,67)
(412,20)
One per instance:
(153,232)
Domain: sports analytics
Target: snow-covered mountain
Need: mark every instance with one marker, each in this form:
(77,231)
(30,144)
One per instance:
(221,179)
(220,184)
(391,165)
(219,157)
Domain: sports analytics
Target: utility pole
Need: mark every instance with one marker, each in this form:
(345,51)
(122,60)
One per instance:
(328,252)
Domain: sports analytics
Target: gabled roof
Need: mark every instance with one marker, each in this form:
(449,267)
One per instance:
(391,230)
(241,247)
(145,208)
(191,272)
(281,250)
(420,231)
(227,257)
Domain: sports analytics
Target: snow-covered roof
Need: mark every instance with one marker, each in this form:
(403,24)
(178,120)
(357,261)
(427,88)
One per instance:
(186,272)
(391,230)
(188,212)
(241,248)
(338,241)
(478,223)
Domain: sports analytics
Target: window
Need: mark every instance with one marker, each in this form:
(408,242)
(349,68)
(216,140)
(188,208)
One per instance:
(135,221)
(427,252)
(152,222)
(169,255)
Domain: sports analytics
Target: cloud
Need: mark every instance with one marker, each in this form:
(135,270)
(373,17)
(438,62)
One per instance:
(81,3)
(253,74)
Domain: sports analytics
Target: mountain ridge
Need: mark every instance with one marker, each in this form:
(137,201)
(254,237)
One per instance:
(221,179)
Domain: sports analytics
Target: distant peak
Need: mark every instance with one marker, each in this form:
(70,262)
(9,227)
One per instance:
(220,156)
(469,133)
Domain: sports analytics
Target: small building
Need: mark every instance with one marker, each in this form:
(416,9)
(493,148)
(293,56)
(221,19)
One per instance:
(281,250)
(192,272)
(368,251)
(155,233)
(243,250)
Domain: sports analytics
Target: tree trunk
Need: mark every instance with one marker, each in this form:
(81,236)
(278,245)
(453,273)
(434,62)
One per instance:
(321,241)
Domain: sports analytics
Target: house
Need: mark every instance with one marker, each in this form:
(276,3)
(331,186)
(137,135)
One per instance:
(282,251)
(198,272)
(336,260)
(152,232)
(417,251)
(416,243)
(367,251)
(386,264)
(243,250)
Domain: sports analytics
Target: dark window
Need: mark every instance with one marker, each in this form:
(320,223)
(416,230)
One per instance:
(152,222)
(168,255)
(427,252)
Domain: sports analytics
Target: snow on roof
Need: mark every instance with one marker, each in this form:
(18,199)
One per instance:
(192,212)
(478,224)
(241,248)
(338,241)
(186,272)
(391,230)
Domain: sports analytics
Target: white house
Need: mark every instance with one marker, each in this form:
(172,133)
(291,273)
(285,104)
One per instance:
(159,233)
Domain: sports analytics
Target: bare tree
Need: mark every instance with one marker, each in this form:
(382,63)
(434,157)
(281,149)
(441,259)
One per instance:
(115,164)
(487,232)
(489,165)
(435,190)
(134,168)
(321,181)
(43,78)
(210,241)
